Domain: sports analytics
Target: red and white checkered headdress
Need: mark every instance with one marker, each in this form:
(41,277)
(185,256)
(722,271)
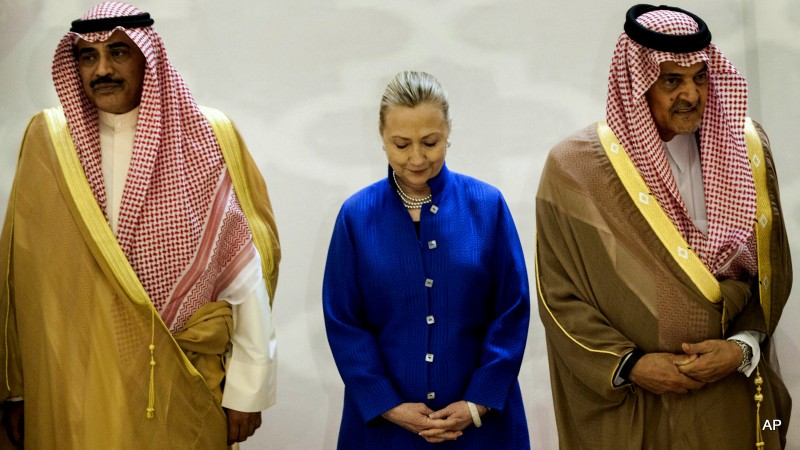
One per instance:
(180,224)
(729,248)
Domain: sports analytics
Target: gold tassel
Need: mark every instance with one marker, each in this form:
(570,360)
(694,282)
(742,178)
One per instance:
(151,410)
(758,398)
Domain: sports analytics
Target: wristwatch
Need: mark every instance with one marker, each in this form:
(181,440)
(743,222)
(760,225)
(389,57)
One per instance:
(747,355)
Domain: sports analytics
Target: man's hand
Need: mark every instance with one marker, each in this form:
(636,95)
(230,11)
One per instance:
(241,425)
(659,374)
(13,413)
(715,360)
(415,417)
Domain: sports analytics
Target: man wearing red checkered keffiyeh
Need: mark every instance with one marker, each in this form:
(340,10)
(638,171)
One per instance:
(662,259)
(141,257)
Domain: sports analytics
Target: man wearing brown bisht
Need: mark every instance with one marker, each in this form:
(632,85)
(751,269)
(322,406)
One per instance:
(139,256)
(662,259)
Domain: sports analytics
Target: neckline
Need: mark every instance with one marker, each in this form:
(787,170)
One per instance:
(119,122)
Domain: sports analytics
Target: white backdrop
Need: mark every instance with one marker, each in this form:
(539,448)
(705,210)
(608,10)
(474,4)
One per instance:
(302,80)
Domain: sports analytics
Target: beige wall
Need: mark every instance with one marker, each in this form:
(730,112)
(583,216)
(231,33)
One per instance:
(302,80)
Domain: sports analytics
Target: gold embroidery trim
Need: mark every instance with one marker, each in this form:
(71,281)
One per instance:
(541,296)
(7,275)
(558,324)
(764,219)
(88,208)
(657,218)
(229,146)
(755,152)
(12,200)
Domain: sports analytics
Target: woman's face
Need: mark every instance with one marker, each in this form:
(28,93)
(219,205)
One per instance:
(415,140)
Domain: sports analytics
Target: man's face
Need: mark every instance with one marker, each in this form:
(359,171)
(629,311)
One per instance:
(677,98)
(112,72)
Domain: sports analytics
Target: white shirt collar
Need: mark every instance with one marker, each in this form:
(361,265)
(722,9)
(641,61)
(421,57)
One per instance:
(119,122)
(682,149)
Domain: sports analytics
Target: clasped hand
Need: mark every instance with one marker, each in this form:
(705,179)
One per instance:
(241,425)
(445,424)
(702,363)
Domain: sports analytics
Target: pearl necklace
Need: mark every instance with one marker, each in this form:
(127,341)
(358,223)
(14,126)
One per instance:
(408,201)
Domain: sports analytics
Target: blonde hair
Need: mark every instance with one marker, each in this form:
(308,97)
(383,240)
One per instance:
(409,89)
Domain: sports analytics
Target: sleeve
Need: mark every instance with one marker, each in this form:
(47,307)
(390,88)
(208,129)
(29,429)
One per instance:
(504,344)
(780,256)
(580,337)
(742,311)
(354,347)
(251,375)
(250,380)
(742,299)
(753,339)
(11,369)
(254,197)
(11,376)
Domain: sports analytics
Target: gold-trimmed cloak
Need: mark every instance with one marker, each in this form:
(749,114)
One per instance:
(77,333)
(607,284)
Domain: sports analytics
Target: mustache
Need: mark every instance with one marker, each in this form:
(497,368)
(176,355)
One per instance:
(683,105)
(104,80)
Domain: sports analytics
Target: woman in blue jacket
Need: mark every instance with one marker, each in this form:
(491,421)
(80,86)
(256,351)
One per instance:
(425,294)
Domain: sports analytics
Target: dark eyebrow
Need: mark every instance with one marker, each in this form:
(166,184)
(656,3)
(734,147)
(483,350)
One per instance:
(78,52)
(681,75)
(676,74)
(118,45)
(84,50)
